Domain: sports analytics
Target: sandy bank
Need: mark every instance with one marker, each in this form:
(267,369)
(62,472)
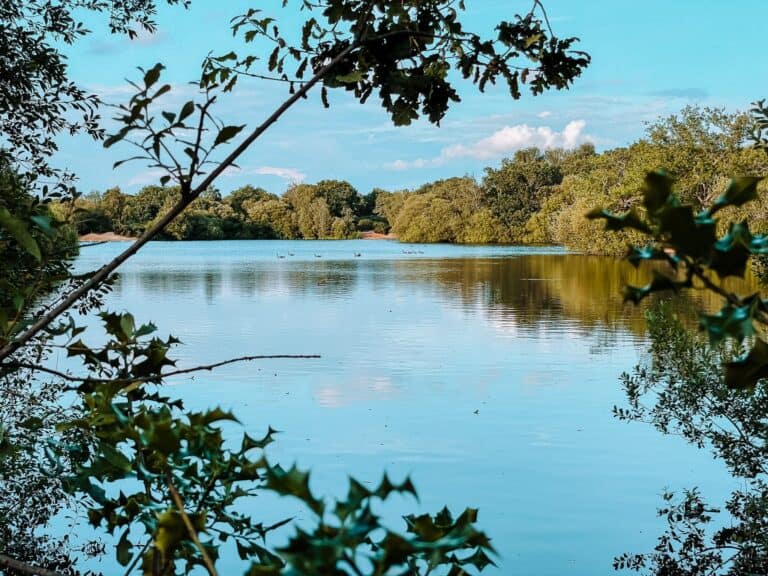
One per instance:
(370,235)
(106,237)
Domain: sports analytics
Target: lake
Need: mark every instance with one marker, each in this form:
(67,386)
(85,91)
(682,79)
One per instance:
(486,373)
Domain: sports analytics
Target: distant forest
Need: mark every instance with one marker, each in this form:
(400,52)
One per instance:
(534,197)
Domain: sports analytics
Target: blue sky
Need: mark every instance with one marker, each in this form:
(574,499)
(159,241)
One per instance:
(649,59)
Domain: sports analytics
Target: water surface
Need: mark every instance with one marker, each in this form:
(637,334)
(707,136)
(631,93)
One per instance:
(486,373)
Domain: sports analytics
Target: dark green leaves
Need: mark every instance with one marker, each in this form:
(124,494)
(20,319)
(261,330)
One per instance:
(186,111)
(227,133)
(123,550)
(731,322)
(740,191)
(294,482)
(20,232)
(746,372)
(687,242)
(657,191)
(403,51)
(615,223)
(152,75)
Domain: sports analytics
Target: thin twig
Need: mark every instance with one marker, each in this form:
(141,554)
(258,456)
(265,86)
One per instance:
(207,367)
(190,528)
(138,557)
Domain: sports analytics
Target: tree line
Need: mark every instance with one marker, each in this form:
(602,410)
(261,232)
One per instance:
(165,484)
(534,197)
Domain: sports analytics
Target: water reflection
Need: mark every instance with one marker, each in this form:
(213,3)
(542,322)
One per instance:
(522,293)
(488,374)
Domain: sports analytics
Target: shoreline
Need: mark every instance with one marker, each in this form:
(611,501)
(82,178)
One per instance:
(106,237)
(113,237)
(371,235)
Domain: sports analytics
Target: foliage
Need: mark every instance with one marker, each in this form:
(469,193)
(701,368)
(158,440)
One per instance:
(404,52)
(245,213)
(515,191)
(140,461)
(34,263)
(687,243)
(700,148)
(34,247)
(37,100)
(699,390)
(437,212)
(683,392)
(274,217)
(147,462)
(536,196)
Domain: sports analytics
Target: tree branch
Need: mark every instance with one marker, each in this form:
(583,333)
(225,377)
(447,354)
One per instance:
(104,272)
(190,528)
(206,367)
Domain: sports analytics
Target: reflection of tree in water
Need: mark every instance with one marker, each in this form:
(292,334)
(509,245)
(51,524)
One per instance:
(163,282)
(251,280)
(533,290)
(212,280)
(300,278)
(325,279)
(681,390)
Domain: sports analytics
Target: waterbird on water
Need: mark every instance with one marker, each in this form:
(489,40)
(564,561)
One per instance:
(357,254)
(281,255)
(318,256)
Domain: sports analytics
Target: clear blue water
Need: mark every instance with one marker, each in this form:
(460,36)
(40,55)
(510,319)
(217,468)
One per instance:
(486,373)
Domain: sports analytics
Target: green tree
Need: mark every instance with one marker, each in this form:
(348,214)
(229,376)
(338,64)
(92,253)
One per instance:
(339,195)
(273,217)
(35,262)
(190,477)
(237,198)
(313,216)
(702,148)
(37,99)
(683,392)
(438,212)
(516,190)
(389,204)
(142,208)
(344,226)
(113,203)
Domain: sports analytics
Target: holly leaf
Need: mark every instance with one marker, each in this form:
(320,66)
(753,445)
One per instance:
(745,373)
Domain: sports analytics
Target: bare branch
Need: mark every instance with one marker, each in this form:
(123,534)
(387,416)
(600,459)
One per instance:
(190,528)
(207,367)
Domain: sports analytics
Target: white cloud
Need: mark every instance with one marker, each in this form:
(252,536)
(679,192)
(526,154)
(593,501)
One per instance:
(289,174)
(147,177)
(503,142)
(544,114)
(146,38)
(511,138)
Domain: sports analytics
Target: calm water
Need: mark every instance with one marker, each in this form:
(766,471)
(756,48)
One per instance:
(486,373)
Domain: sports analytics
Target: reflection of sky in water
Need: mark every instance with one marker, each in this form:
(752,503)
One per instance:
(488,374)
